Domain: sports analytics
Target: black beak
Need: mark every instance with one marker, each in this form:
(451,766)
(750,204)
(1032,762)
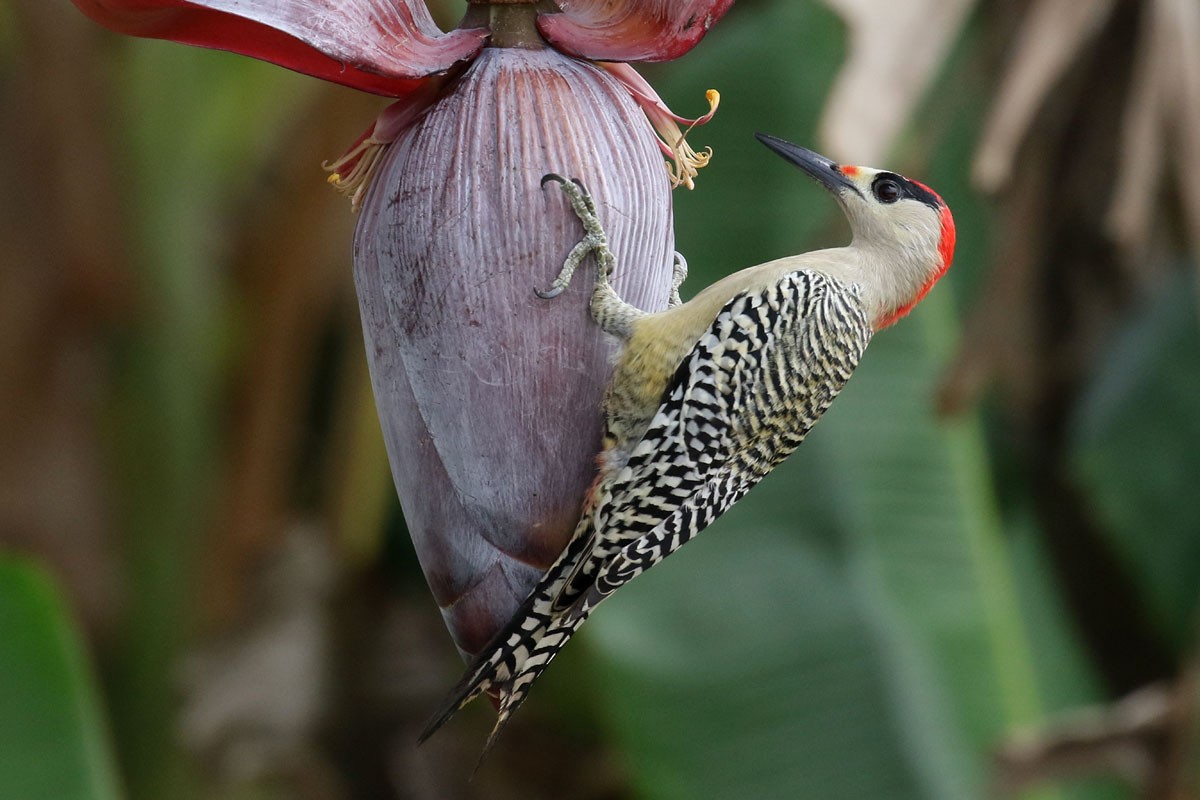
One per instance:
(817,166)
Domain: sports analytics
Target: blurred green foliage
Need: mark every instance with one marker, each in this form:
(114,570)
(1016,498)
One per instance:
(54,744)
(851,630)
(868,623)
(1135,450)
(194,125)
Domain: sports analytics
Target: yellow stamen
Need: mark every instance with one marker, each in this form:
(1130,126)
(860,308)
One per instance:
(685,161)
(363,161)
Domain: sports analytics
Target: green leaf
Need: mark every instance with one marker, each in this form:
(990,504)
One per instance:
(849,630)
(852,628)
(1066,680)
(1135,450)
(748,666)
(53,744)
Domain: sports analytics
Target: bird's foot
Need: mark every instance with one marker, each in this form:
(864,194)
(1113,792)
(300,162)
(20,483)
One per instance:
(593,241)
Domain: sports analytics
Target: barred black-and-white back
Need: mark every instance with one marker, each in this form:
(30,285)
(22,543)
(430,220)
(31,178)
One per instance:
(740,401)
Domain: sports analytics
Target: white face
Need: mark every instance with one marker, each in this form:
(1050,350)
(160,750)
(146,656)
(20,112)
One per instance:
(891,210)
(905,229)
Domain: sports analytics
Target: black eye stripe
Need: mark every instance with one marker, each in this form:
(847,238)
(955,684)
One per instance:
(908,189)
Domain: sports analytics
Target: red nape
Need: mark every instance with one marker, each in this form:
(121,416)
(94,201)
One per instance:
(946,245)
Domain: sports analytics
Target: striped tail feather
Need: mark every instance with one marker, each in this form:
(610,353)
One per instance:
(481,677)
(492,669)
(508,666)
(505,655)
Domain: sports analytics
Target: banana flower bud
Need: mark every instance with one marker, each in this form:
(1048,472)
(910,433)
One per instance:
(489,398)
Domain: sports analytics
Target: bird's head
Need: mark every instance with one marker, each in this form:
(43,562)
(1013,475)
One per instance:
(903,230)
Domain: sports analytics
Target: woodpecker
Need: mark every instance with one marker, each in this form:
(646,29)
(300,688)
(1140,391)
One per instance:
(708,396)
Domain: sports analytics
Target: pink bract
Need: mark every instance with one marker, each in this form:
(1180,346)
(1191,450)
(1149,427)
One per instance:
(633,30)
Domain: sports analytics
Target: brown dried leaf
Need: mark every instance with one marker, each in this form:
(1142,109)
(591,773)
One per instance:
(290,260)
(1162,128)
(65,284)
(253,697)
(1141,160)
(998,343)
(1123,738)
(1052,36)
(895,50)
(1149,738)
(1184,79)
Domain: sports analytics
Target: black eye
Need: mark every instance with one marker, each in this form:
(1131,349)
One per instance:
(886,190)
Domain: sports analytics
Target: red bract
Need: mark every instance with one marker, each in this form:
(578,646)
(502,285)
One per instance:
(379,45)
(489,398)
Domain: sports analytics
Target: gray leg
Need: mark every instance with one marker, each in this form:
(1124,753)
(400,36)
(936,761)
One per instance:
(611,313)
(679,274)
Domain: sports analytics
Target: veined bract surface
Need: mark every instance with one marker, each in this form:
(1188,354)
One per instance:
(489,398)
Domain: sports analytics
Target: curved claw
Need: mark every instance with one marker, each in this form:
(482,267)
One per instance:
(549,294)
(552,176)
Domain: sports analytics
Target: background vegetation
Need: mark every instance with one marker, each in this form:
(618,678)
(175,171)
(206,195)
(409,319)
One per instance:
(206,589)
